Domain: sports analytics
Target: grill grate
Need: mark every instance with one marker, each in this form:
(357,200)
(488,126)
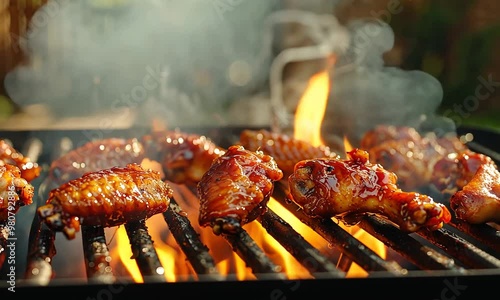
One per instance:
(458,248)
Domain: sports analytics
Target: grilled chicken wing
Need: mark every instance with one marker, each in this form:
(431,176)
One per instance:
(184,157)
(423,160)
(453,171)
(8,155)
(108,197)
(286,150)
(96,155)
(15,191)
(479,200)
(382,133)
(236,188)
(408,159)
(344,189)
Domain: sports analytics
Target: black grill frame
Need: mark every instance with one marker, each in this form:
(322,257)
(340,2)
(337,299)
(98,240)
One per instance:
(436,282)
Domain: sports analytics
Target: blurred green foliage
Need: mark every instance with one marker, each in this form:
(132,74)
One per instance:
(6,108)
(439,43)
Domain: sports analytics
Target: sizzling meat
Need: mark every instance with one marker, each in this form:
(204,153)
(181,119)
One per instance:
(286,150)
(236,188)
(108,197)
(344,189)
(422,160)
(479,200)
(96,155)
(15,191)
(8,155)
(184,157)
(452,172)
(382,133)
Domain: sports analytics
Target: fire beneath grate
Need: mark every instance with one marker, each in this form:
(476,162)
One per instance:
(457,249)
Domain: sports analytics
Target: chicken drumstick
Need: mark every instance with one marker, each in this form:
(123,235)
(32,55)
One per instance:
(346,188)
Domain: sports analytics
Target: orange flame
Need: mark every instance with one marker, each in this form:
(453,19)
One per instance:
(311,109)
(308,118)
(347,145)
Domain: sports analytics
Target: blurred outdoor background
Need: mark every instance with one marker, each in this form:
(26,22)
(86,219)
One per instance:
(455,41)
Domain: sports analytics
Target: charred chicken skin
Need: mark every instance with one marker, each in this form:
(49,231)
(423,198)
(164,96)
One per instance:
(348,188)
(15,191)
(479,200)
(8,155)
(236,188)
(287,151)
(184,157)
(107,198)
(96,155)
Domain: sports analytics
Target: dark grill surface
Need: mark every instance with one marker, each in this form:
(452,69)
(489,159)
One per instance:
(456,260)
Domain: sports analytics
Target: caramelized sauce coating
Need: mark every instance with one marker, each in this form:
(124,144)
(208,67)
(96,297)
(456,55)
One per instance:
(343,189)
(287,151)
(383,133)
(185,157)
(423,160)
(452,172)
(8,155)
(96,155)
(236,188)
(479,200)
(15,191)
(108,197)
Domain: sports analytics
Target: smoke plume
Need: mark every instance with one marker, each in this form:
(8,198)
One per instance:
(366,92)
(86,58)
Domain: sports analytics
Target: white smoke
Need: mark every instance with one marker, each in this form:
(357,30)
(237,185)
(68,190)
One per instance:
(366,92)
(86,58)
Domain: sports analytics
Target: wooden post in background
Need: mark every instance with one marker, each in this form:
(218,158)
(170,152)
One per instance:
(15,16)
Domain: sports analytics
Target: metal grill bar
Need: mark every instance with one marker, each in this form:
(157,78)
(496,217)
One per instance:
(188,239)
(41,238)
(97,258)
(41,244)
(336,235)
(144,252)
(344,263)
(262,266)
(418,254)
(295,244)
(459,248)
(483,233)
(40,253)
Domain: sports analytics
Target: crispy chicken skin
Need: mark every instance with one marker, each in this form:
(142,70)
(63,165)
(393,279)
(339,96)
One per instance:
(236,188)
(383,133)
(108,197)
(286,150)
(345,189)
(408,159)
(15,191)
(422,160)
(184,157)
(96,155)
(453,171)
(479,200)
(8,155)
